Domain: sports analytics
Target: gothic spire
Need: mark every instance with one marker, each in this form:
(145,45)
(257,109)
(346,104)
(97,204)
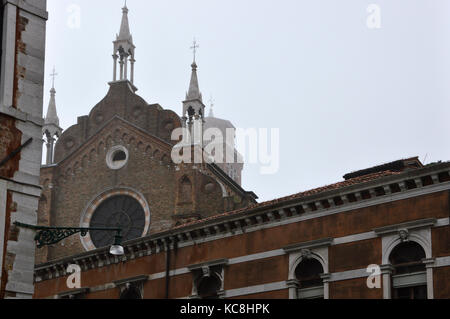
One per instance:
(124,50)
(124,33)
(193,107)
(51,129)
(194,90)
(52,115)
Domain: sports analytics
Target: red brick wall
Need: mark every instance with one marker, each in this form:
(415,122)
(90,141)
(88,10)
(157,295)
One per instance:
(441,241)
(356,255)
(344,257)
(441,277)
(354,289)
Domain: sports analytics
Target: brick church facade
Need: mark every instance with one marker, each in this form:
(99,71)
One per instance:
(192,231)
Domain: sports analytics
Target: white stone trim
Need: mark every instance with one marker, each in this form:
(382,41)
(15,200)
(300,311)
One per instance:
(408,280)
(334,277)
(319,253)
(110,154)
(255,289)
(350,274)
(90,208)
(3,197)
(9,55)
(392,239)
(264,255)
(442,262)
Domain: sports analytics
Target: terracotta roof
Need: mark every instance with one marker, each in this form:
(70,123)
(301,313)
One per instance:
(347,183)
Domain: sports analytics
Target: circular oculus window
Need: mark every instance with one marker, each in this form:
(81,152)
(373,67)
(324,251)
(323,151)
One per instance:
(123,212)
(117,157)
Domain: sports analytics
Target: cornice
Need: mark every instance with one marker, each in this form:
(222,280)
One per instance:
(256,218)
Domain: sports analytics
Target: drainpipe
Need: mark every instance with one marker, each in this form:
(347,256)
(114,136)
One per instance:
(168,243)
(167,246)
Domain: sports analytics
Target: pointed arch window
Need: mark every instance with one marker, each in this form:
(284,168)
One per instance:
(185,191)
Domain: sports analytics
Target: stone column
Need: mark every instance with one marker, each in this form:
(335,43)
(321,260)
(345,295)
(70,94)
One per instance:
(429,264)
(126,67)
(326,285)
(386,272)
(132,61)
(293,286)
(115,57)
(50,146)
(121,67)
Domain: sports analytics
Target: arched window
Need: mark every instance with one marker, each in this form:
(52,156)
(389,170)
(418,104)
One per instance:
(131,293)
(308,273)
(209,287)
(409,279)
(185,191)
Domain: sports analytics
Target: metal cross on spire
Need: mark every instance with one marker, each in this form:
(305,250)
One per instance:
(53,75)
(195,47)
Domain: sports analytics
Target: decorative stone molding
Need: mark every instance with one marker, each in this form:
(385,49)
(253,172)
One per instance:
(418,231)
(116,165)
(99,199)
(136,282)
(73,294)
(404,235)
(206,270)
(306,247)
(317,249)
(405,228)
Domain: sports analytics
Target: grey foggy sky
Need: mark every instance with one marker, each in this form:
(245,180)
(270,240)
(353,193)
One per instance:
(344,96)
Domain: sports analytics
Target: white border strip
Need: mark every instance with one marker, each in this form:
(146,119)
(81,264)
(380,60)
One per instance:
(442,262)
(3,197)
(255,289)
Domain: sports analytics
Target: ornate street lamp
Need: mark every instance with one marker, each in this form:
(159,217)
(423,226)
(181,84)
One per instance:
(51,235)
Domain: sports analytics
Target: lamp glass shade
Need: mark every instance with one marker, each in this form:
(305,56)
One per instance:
(116,250)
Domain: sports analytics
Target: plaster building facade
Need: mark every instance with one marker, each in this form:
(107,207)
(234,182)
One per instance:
(191,231)
(23,24)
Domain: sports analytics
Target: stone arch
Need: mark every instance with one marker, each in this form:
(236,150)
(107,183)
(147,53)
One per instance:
(46,183)
(166,159)
(124,137)
(76,167)
(101,148)
(84,161)
(117,135)
(90,208)
(92,154)
(302,257)
(415,237)
(185,190)
(109,141)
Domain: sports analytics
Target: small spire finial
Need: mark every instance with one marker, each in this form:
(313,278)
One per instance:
(211,107)
(194,48)
(53,75)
